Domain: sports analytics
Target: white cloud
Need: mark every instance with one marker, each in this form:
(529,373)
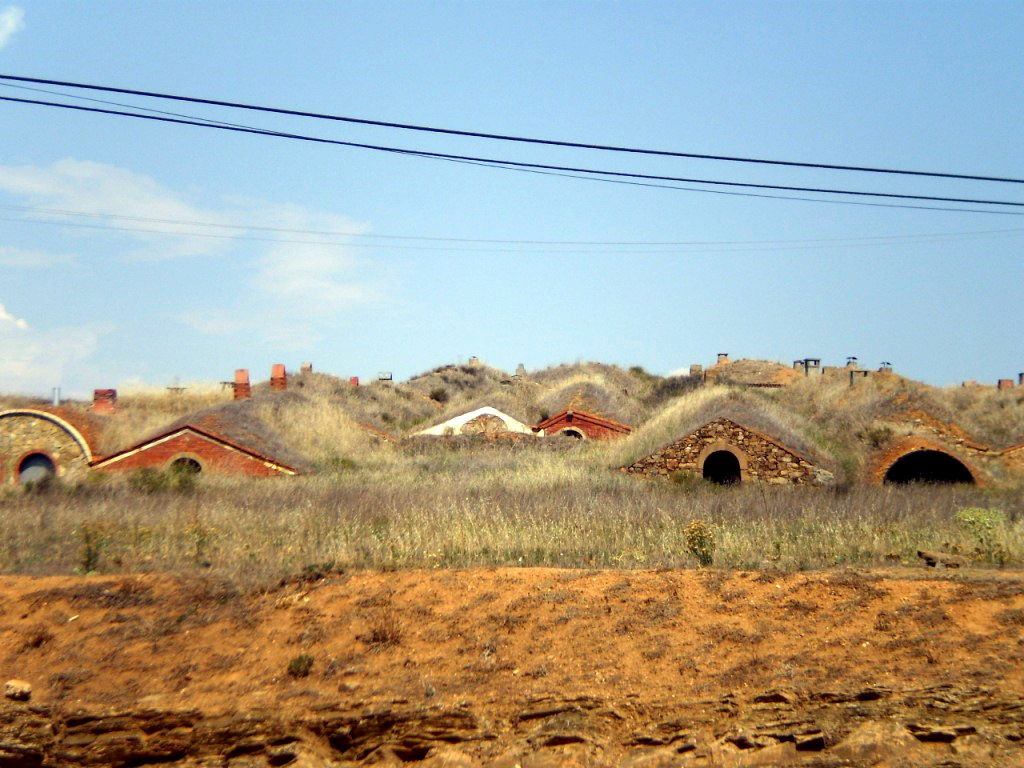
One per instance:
(296,287)
(139,208)
(20,257)
(34,361)
(12,21)
(299,280)
(7,319)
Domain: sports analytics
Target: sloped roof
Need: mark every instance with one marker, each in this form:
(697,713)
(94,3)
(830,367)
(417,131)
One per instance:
(235,424)
(584,416)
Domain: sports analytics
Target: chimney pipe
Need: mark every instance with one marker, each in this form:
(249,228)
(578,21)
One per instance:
(56,395)
(278,378)
(241,385)
(104,401)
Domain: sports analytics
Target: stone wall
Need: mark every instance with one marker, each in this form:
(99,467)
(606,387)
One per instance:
(761,458)
(23,433)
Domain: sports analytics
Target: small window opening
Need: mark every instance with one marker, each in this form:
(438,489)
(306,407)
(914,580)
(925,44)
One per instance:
(36,468)
(186,466)
(722,468)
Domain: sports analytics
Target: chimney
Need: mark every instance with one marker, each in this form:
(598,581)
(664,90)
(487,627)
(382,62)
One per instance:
(1004,384)
(1020,379)
(241,384)
(696,369)
(104,401)
(800,365)
(56,395)
(723,357)
(353,381)
(851,362)
(278,378)
(306,368)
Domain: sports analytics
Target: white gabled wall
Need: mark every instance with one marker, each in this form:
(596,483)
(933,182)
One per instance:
(454,424)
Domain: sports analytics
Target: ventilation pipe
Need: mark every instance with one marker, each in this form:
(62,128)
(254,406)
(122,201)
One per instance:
(104,401)
(241,384)
(278,378)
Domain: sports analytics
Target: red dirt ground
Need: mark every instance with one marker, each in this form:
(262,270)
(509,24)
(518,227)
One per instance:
(529,667)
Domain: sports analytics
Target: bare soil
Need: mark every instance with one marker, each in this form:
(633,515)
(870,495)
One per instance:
(503,667)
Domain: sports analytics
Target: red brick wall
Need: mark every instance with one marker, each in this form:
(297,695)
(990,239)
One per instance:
(214,457)
(592,431)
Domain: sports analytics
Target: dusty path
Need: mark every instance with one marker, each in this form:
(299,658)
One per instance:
(539,667)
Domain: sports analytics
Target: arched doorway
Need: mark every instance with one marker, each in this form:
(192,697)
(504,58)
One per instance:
(927,466)
(186,466)
(573,433)
(722,468)
(36,468)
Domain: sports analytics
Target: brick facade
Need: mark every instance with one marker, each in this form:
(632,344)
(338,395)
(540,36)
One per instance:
(761,458)
(880,462)
(24,432)
(215,456)
(585,424)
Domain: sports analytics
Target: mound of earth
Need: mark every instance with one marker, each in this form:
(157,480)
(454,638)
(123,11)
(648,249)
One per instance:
(752,373)
(503,667)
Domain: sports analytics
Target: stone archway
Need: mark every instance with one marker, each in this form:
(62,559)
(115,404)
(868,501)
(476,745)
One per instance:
(928,466)
(722,468)
(722,463)
(36,468)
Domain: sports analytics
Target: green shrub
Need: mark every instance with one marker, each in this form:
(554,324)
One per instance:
(175,478)
(700,541)
(300,666)
(986,524)
(93,540)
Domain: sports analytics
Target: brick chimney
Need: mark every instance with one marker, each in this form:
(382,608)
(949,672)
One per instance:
(723,357)
(278,378)
(1004,384)
(353,381)
(696,369)
(241,386)
(104,401)
(306,368)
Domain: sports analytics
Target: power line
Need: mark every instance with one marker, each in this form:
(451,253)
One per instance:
(512,164)
(679,249)
(506,137)
(881,239)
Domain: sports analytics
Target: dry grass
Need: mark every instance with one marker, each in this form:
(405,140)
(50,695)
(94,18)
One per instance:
(497,507)
(372,503)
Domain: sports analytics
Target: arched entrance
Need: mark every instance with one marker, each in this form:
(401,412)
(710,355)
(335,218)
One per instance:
(36,468)
(928,466)
(186,466)
(722,468)
(573,433)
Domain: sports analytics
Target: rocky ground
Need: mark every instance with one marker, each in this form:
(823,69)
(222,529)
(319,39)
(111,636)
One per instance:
(506,667)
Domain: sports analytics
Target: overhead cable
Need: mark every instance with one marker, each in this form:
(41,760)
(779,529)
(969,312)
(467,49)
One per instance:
(512,163)
(507,137)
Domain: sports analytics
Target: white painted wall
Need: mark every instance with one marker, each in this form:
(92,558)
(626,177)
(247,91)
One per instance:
(454,425)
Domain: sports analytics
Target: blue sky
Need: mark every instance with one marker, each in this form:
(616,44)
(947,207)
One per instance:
(932,86)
